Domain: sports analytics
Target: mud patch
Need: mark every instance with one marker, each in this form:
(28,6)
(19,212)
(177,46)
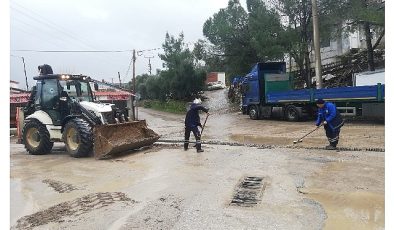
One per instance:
(260,140)
(319,159)
(163,213)
(71,209)
(59,186)
(248,192)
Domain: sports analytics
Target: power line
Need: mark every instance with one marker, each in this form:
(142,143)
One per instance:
(139,52)
(15,56)
(149,65)
(31,26)
(128,69)
(42,20)
(47,22)
(73,51)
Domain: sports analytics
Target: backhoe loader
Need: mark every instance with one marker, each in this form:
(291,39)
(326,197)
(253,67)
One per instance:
(62,108)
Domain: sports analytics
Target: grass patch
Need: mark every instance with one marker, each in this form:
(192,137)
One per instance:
(171,106)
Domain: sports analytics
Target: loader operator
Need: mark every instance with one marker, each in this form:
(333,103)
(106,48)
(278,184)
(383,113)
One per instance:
(192,121)
(332,120)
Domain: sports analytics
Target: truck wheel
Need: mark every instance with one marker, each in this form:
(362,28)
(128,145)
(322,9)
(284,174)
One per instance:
(36,138)
(253,112)
(292,113)
(78,137)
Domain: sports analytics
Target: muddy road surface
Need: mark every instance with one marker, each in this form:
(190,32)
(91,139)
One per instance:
(225,187)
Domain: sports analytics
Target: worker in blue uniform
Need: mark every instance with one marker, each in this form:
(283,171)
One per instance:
(332,121)
(192,121)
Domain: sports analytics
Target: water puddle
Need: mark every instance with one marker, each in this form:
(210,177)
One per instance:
(356,210)
(351,193)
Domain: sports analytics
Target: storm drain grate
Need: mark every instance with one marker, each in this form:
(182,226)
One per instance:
(248,192)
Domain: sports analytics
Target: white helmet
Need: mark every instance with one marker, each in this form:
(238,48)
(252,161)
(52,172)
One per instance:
(197,101)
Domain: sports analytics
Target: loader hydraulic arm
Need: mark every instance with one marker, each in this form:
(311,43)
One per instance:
(76,108)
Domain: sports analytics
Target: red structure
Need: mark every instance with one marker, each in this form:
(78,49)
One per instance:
(17,100)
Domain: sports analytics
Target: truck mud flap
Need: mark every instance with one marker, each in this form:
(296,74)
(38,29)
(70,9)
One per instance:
(117,138)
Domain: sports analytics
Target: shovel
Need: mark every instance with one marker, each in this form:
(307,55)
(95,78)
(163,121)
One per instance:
(302,138)
(202,129)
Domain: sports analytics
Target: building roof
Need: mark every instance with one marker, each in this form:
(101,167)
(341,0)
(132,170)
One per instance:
(112,93)
(16,98)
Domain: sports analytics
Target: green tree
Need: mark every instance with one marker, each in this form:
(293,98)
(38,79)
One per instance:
(210,55)
(182,79)
(297,36)
(265,28)
(141,85)
(228,31)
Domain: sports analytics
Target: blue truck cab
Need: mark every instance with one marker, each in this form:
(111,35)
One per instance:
(268,91)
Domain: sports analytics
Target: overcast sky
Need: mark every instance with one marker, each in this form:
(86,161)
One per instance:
(100,25)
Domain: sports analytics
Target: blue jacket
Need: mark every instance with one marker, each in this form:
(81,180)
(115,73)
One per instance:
(330,114)
(192,117)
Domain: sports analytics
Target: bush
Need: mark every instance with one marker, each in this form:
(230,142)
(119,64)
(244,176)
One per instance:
(171,106)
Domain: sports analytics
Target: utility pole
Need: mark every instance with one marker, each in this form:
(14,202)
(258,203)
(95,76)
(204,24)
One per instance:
(120,81)
(316,40)
(133,97)
(149,65)
(24,69)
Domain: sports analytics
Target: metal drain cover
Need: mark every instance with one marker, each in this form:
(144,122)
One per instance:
(248,192)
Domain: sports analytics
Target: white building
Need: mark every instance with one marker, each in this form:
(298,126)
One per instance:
(331,49)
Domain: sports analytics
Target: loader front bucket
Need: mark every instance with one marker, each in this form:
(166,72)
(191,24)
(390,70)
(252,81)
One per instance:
(116,138)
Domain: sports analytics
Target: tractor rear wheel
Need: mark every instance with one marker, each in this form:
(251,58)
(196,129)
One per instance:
(36,138)
(78,137)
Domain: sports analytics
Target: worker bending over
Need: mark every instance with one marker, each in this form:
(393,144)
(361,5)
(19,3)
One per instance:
(332,120)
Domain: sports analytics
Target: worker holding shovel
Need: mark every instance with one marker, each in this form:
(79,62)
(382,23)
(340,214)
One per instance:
(192,121)
(332,121)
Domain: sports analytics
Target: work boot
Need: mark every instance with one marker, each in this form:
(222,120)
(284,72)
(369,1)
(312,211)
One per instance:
(200,150)
(330,147)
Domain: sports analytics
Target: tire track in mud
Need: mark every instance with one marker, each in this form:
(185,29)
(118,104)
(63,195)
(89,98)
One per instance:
(71,209)
(59,186)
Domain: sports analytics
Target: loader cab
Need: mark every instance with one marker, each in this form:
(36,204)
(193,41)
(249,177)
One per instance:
(55,92)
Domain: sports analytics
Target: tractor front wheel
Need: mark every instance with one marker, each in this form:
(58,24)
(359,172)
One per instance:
(78,137)
(36,138)
(254,113)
